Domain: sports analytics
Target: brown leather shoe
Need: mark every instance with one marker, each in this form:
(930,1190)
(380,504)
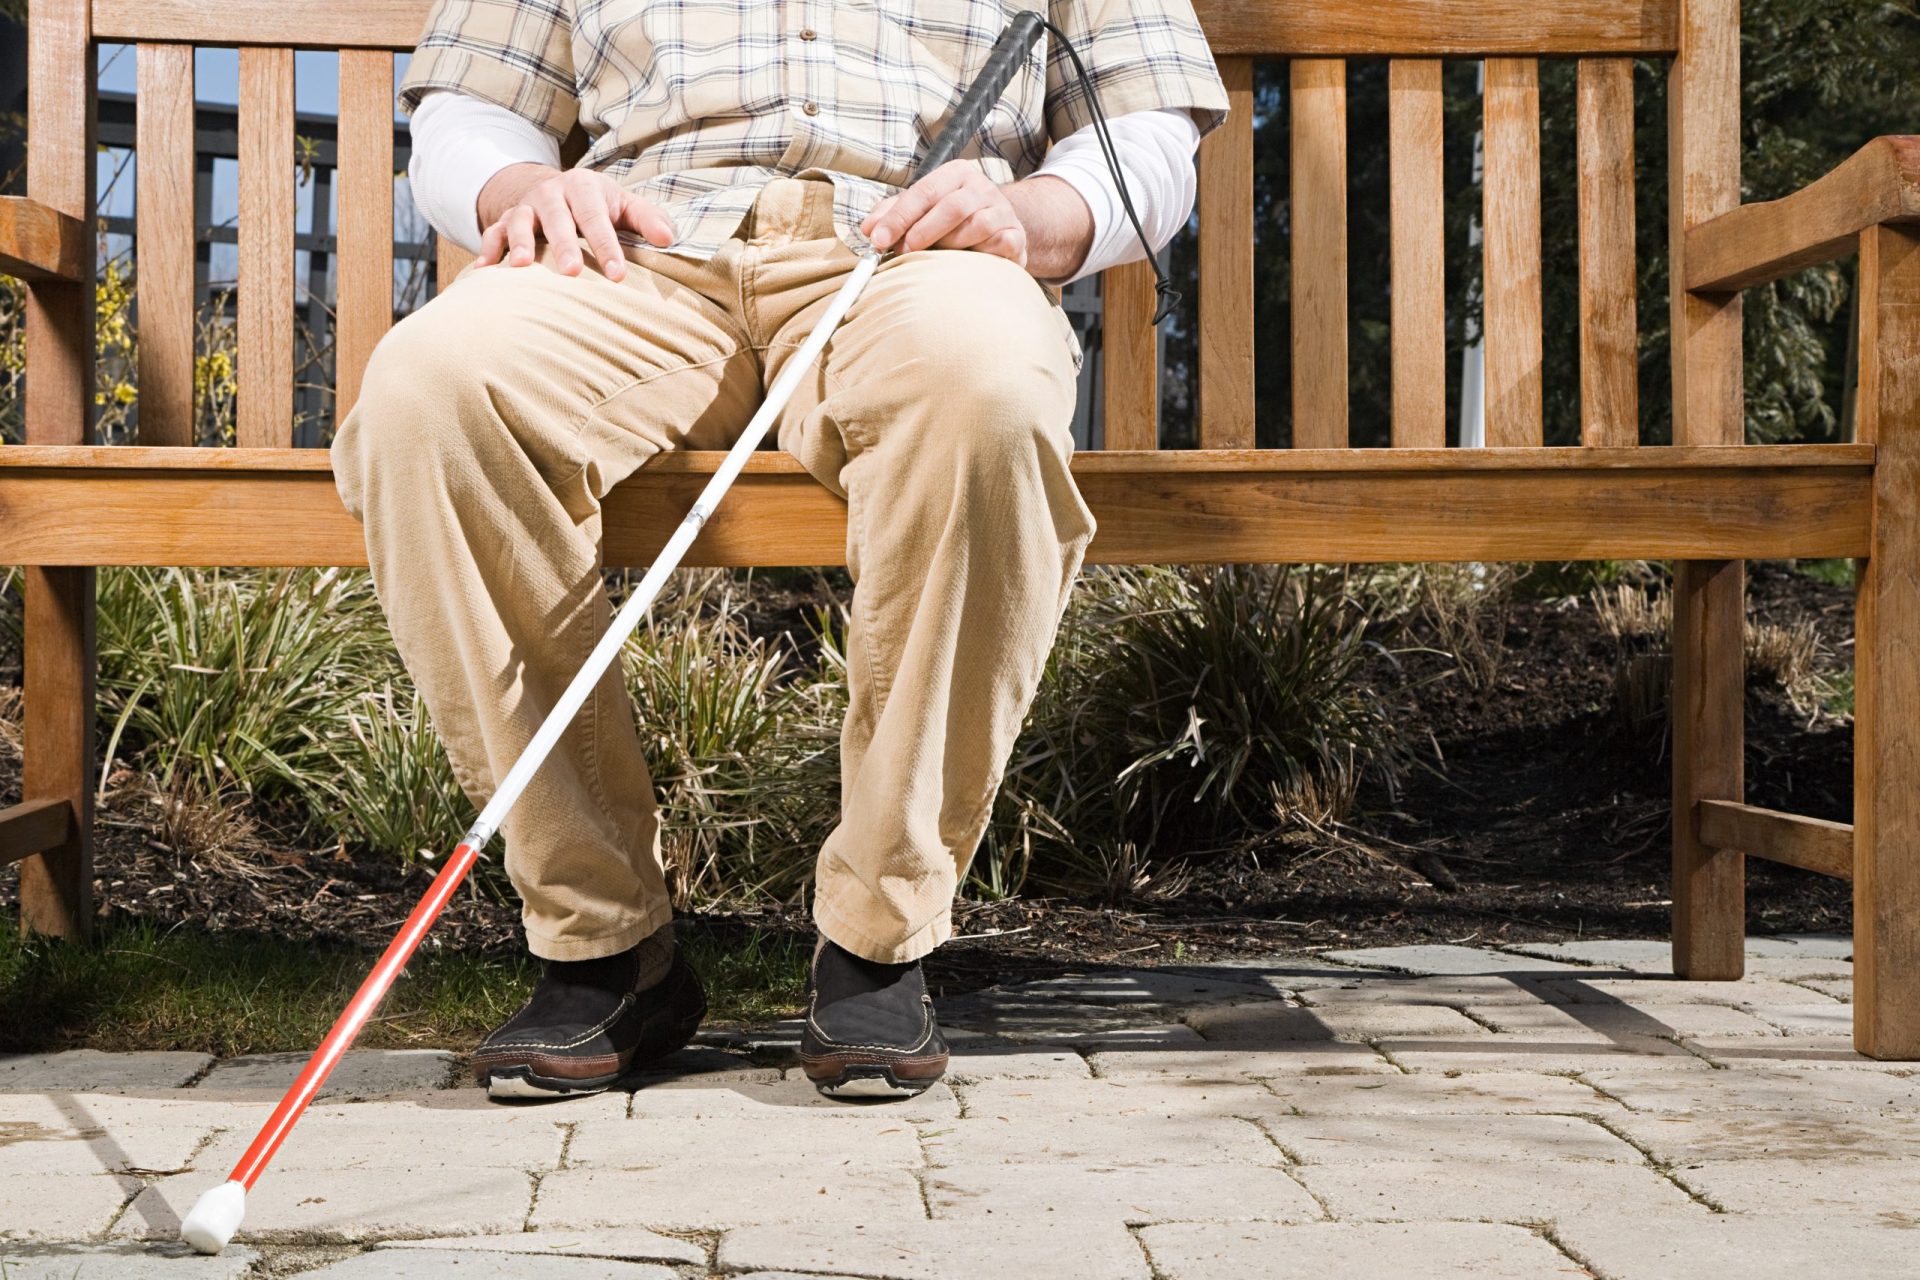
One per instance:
(579,1033)
(870,1030)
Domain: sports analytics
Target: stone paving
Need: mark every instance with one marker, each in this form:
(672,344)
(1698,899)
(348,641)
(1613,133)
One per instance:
(1554,1111)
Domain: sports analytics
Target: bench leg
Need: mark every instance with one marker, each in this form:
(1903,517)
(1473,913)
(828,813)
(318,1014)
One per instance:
(56,887)
(1709,691)
(1886,723)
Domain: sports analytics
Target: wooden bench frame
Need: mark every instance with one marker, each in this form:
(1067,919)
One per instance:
(1708,502)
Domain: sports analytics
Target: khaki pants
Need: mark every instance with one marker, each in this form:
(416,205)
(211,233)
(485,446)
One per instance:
(494,421)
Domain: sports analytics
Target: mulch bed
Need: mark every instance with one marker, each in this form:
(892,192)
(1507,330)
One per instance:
(1545,818)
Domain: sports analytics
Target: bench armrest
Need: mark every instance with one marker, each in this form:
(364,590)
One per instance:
(1757,243)
(38,243)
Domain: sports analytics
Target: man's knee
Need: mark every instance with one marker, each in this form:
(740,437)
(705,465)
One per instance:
(1000,385)
(425,407)
(991,398)
(420,379)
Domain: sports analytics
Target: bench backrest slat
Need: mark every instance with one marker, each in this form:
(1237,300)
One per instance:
(1434,28)
(164,211)
(1226,265)
(1609,305)
(1703,97)
(1511,215)
(1319,235)
(264,414)
(1417,125)
(365,293)
(1130,359)
(393,25)
(58,398)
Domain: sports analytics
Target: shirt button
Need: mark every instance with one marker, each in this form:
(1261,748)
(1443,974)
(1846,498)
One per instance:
(808,34)
(811,108)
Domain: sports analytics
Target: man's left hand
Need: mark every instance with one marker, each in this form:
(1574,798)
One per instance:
(1041,224)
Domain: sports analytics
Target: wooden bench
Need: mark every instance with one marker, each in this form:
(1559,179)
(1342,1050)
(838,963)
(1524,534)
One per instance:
(1707,503)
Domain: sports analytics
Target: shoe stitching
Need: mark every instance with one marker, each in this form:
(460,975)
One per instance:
(625,1003)
(629,999)
(925,1036)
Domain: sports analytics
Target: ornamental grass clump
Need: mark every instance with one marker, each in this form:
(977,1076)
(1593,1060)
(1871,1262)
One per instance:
(231,682)
(1191,712)
(390,787)
(741,739)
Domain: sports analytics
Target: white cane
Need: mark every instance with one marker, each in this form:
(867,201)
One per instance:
(217,1214)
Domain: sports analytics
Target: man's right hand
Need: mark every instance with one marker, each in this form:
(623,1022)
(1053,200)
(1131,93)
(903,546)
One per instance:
(525,203)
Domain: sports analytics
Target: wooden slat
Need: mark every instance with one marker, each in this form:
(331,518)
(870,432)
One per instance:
(1278,28)
(1886,734)
(1415,28)
(1812,844)
(1130,358)
(266,248)
(1373,506)
(1797,457)
(1511,217)
(1226,269)
(1609,296)
(339,24)
(449,260)
(1319,118)
(1756,243)
(38,243)
(33,827)
(56,887)
(163,183)
(1709,686)
(1418,140)
(1709,401)
(60,120)
(365,308)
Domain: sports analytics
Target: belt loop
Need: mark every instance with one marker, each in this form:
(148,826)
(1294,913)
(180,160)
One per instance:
(819,211)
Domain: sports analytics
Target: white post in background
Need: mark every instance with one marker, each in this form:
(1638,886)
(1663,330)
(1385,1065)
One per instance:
(1473,364)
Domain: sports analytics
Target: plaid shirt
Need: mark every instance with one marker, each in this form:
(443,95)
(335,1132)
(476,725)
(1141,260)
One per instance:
(697,104)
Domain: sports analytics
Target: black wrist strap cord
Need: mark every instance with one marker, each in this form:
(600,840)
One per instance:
(1009,52)
(1163,290)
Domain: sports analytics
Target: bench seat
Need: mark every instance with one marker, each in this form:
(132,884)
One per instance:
(92,505)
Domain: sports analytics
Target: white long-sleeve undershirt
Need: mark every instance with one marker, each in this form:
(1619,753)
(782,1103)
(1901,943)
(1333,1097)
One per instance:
(460,142)
(1155,150)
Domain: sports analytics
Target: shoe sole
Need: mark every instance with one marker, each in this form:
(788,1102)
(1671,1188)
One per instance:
(522,1084)
(873,1081)
(518,1084)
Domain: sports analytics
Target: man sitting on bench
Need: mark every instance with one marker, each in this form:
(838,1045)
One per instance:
(741,155)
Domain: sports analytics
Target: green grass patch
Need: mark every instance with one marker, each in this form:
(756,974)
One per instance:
(142,986)
(1838,696)
(1835,573)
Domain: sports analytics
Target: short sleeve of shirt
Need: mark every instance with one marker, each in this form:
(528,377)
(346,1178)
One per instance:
(1142,55)
(516,54)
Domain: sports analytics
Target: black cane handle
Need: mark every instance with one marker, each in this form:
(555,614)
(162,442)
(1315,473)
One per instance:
(1009,53)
